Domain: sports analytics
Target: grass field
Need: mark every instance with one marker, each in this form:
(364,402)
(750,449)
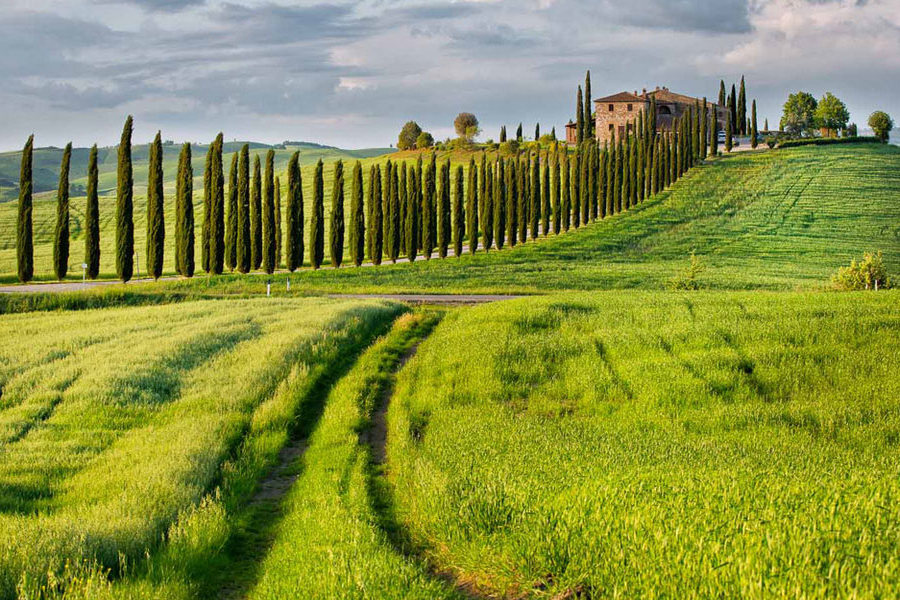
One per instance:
(118,426)
(657,445)
(780,220)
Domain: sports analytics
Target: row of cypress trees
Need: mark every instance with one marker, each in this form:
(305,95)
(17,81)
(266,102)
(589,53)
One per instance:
(736,103)
(406,210)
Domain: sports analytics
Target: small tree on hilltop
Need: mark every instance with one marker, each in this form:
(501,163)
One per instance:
(466,126)
(832,114)
(881,123)
(424,140)
(799,116)
(408,136)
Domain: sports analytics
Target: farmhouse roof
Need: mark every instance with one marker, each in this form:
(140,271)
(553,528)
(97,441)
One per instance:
(621,97)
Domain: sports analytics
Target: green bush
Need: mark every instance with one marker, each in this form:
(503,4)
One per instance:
(688,279)
(869,274)
(828,141)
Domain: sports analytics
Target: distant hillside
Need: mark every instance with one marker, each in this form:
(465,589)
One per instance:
(47,159)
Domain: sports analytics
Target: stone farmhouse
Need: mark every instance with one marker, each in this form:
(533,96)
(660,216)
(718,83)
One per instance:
(617,114)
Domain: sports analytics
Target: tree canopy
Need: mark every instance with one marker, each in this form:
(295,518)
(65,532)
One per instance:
(466,125)
(881,123)
(799,116)
(832,114)
(408,136)
(424,140)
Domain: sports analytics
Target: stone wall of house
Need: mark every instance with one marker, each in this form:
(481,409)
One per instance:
(618,119)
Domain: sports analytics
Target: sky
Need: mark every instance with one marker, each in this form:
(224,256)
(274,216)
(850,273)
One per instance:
(350,74)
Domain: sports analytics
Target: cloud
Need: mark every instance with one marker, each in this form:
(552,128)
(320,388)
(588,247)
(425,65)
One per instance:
(158,5)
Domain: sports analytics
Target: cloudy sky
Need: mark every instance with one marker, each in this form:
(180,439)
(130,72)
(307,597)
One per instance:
(350,73)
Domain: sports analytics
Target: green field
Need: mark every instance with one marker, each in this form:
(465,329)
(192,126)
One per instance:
(632,444)
(120,425)
(605,438)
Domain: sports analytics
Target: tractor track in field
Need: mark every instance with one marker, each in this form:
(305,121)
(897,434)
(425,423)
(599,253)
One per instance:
(375,437)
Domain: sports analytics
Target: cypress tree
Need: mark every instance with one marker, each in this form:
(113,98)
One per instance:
(579,118)
(336,234)
(317,219)
(377,219)
(766,125)
(207,208)
(487,207)
(722,93)
(435,200)
(184,213)
(256,215)
(704,134)
(534,211)
(714,134)
(588,183)
(754,132)
(156,229)
(742,107)
(602,184)
(231,222)
(502,134)
(61,234)
(444,231)
(695,132)
(370,213)
(92,219)
(268,216)
(458,229)
(728,135)
(523,202)
(357,216)
(654,169)
(124,205)
(217,231)
(500,204)
(565,207)
(427,215)
(732,108)
(395,213)
(537,131)
(278,233)
(482,186)
(553,133)
(244,243)
(512,192)
(402,199)
(610,178)
(617,177)
(386,194)
(627,173)
(574,192)
(472,207)
(545,196)
(519,136)
(639,171)
(588,121)
(412,201)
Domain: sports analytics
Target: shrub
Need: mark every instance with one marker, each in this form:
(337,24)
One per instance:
(688,279)
(509,147)
(869,274)
(828,141)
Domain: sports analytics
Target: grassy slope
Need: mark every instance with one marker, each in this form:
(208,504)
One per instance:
(773,220)
(115,422)
(47,173)
(655,444)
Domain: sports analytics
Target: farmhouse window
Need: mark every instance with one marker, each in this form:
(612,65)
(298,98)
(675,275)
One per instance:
(612,127)
(611,108)
(630,107)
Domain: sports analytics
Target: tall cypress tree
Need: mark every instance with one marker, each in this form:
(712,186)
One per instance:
(610,177)
(395,227)
(714,134)
(487,206)
(156,229)
(184,213)
(357,216)
(268,216)
(217,210)
(24,223)
(601,184)
(627,169)
(427,215)
(433,195)
(500,204)
(729,132)
(444,231)
(386,233)
(732,108)
(278,233)
(754,132)
(502,134)
(404,205)
(704,127)
(472,207)
(336,235)
(317,219)
(207,208)
(256,215)
(458,229)
(742,108)
(511,200)
(588,121)
(377,219)
(537,131)
(522,198)
(413,184)
(534,190)
(371,199)
(619,180)
(545,196)
(244,242)
(563,207)
(231,223)
(61,234)
(722,99)
(92,218)
(519,137)
(482,186)
(124,205)
(294,214)
(579,117)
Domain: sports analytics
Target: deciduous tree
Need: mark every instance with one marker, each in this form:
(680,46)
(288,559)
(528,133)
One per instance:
(408,136)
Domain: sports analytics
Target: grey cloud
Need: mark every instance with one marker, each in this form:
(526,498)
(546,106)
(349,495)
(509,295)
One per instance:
(158,5)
